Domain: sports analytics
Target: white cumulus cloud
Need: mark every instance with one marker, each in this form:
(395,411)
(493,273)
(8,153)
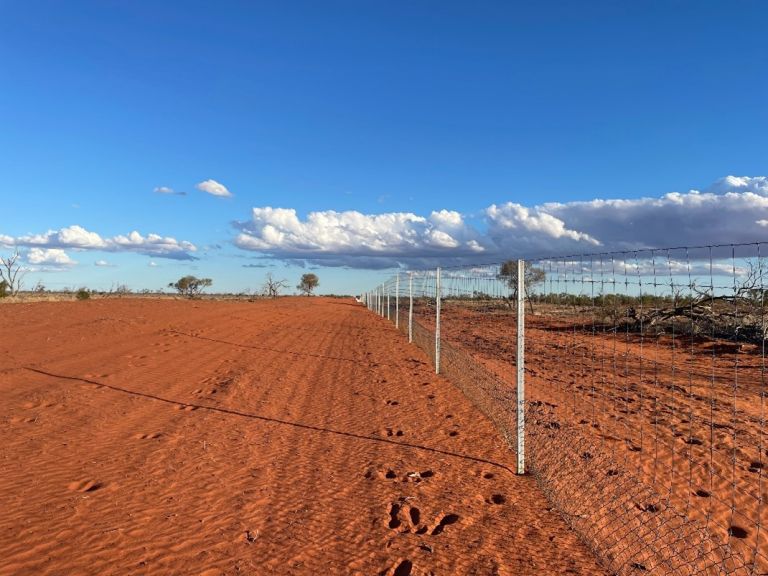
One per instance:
(49,256)
(732,210)
(355,239)
(78,238)
(214,188)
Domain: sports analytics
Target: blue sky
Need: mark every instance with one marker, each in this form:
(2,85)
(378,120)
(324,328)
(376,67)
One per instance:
(450,127)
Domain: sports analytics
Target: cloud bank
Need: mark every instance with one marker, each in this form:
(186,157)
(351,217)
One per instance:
(732,210)
(359,240)
(78,238)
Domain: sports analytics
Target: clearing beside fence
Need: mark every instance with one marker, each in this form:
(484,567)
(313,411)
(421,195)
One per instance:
(291,436)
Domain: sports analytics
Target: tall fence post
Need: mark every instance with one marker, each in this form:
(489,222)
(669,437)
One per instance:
(521,366)
(410,307)
(389,290)
(397,301)
(437,322)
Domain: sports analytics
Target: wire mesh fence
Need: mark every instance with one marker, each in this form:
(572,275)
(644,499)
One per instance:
(645,404)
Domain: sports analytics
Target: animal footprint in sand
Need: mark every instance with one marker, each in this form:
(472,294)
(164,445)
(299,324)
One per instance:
(185,407)
(84,486)
(20,420)
(392,432)
(444,520)
(406,518)
(403,568)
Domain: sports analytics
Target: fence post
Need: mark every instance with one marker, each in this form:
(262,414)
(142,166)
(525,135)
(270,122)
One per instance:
(389,289)
(521,366)
(437,322)
(381,301)
(397,301)
(410,307)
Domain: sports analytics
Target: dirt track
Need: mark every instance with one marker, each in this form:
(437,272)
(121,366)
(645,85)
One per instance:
(284,437)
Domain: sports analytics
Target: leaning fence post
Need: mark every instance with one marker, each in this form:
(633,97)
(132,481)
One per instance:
(410,307)
(521,366)
(437,322)
(397,301)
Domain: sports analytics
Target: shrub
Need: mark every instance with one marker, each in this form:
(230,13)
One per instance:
(190,285)
(308,283)
(83,294)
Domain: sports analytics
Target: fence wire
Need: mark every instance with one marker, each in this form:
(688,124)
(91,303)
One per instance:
(646,392)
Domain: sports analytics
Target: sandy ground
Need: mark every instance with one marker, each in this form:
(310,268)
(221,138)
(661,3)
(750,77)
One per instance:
(686,417)
(275,437)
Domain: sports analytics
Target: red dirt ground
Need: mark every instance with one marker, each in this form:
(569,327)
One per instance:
(687,417)
(275,437)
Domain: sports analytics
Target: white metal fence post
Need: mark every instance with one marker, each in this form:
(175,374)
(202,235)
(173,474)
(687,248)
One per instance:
(437,322)
(410,307)
(389,290)
(397,301)
(521,366)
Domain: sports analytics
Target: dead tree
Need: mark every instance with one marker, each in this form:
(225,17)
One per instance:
(11,272)
(272,287)
(737,315)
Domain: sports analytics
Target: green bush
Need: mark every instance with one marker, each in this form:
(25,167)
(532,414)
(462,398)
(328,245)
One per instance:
(83,294)
(4,291)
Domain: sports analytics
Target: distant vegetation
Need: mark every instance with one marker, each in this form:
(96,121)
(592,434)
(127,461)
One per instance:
(190,286)
(83,294)
(308,283)
(271,287)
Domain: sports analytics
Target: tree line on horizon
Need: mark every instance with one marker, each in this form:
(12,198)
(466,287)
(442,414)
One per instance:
(12,274)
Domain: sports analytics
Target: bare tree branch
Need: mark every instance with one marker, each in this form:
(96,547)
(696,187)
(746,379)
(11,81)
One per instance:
(272,287)
(11,272)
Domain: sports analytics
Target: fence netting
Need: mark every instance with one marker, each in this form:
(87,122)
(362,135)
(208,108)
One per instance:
(645,392)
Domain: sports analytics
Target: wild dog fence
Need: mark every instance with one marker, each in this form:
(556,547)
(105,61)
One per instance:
(645,406)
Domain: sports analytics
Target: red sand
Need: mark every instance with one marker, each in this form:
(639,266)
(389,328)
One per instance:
(275,437)
(685,416)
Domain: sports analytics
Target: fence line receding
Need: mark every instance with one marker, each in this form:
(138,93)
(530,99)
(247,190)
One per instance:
(645,391)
